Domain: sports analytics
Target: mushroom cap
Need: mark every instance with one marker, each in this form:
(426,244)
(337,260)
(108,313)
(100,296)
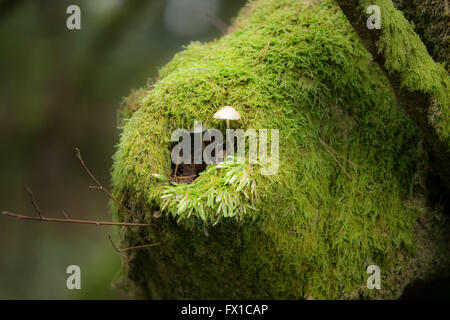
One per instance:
(227,113)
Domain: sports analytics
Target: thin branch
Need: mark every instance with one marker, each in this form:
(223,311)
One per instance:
(186,177)
(113,245)
(183,177)
(67,220)
(100,186)
(335,152)
(217,22)
(263,53)
(340,165)
(33,202)
(238,22)
(176,170)
(141,246)
(131,248)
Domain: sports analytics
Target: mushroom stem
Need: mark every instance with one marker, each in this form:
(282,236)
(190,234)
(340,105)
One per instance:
(227,113)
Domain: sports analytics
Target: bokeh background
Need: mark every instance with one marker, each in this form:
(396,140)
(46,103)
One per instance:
(60,89)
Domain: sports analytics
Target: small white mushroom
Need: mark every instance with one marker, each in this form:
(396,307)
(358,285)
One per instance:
(227,113)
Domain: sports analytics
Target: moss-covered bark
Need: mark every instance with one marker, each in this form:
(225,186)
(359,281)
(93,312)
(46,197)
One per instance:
(350,186)
(431,19)
(421,85)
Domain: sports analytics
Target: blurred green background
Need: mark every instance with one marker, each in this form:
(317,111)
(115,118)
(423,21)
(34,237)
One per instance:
(60,89)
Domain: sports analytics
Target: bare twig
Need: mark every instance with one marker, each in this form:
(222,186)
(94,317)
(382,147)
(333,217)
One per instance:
(131,248)
(33,202)
(263,53)
(217,22)
(177,178)
(238,22)
(176,170)
(335,152)
(205,57)
(113,245)
(99,186)
(67,220)
(184,177)
(337,161)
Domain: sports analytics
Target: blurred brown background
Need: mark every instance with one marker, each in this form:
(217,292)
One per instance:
(60,89)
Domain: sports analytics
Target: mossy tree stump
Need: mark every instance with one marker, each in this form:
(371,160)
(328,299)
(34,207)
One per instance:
(350,187)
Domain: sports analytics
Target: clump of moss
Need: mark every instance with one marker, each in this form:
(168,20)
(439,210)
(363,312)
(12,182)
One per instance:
(407,55)
(130,105)
(224,190)
(432,22)
(344,196)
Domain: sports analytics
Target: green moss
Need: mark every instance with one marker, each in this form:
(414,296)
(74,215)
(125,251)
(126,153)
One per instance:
(311,230)
(224,190)
(406,54)
(432,22)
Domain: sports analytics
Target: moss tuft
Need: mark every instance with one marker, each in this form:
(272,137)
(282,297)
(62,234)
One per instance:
(407,55)
(432,22)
